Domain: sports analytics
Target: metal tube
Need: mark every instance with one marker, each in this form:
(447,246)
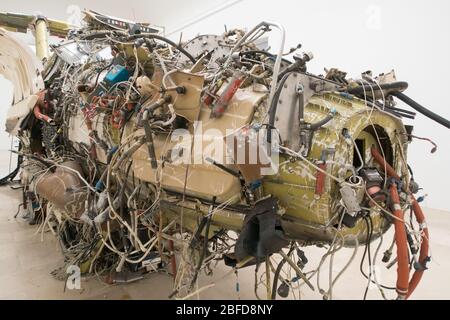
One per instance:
(277,65)
(297,269)
(41,38)
(268,285)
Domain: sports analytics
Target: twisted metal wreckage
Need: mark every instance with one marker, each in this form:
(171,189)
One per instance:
(108,132)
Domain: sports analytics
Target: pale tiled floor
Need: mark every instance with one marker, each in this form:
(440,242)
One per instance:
(26,263)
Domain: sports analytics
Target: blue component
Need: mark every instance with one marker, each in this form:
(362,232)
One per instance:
(99,186)
(420,199)
(347,95)
(113,150)
(117,74)
(254,185)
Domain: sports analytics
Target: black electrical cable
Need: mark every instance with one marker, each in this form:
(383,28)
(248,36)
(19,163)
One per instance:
(18,210)
(104,34)
(367,89)
(298,65)
(413,104)
(203,252)
(277,275)
(274,104)
(369,226)
(275,279)
(398,114)
(365,276)
(100,72)
(10,176)
(394,111)
(395,89)
(399,110)
(249,52)
(94,35)
(411,172)
(321,123)
(168,41)
(266,53)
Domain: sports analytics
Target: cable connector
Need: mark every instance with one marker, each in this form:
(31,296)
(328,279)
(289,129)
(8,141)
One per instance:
(421,198)
(395,181)
(387,256)
(422,266)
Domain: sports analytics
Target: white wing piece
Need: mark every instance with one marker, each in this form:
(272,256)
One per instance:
(19,65)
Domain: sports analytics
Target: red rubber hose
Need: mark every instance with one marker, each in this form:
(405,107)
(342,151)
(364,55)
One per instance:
(402,245)
(40,116)
(423,256)
(320,179)
(420,217)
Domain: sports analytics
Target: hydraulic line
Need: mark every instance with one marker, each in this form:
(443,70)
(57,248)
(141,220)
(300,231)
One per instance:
(274,105)
(40,116)
(402,245)
(277,64)
(321,123)
(423,256)
(384,165)
(413,104)
(395,87)
(420,217)
(266,53)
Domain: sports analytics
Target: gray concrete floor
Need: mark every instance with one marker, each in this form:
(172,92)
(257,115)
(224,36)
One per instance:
(26,263)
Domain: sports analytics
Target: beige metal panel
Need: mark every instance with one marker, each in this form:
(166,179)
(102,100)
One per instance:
(187,105)
(203,180)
